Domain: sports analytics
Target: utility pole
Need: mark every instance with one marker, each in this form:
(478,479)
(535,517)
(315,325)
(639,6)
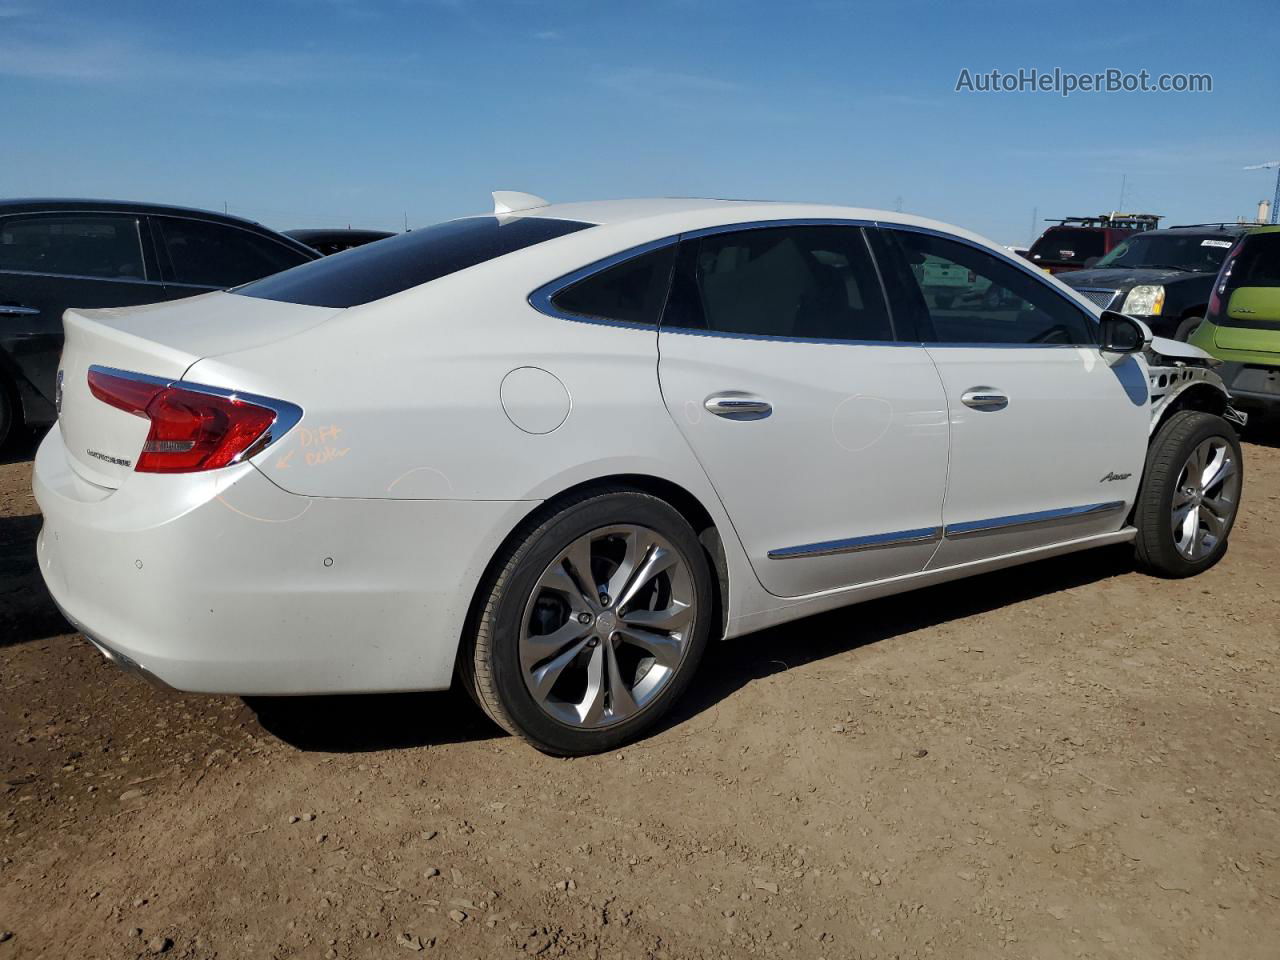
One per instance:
(1035,221)
(1275,202)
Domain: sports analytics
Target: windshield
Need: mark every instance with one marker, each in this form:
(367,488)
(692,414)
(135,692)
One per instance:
(380,269)
(1068,245)
(1196,252)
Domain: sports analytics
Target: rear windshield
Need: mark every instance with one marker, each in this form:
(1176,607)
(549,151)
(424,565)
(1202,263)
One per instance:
(1197,252)
(1258,264)
(380,269)
(1068,245)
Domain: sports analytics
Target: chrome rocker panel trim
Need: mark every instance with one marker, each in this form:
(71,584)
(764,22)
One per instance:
(828,548)
(953,531)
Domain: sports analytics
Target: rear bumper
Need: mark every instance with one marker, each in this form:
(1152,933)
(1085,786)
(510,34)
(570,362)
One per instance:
(224,583)
(1252,383)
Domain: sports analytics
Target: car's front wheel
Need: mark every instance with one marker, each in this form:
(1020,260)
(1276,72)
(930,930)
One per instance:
(1190,494)
(593,623)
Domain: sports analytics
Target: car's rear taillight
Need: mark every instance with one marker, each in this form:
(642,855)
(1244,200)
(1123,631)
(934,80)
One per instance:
(192,427)
(1220,284)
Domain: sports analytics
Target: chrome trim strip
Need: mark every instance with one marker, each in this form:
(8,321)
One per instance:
(828,548)
(80,276)
(287,414)
(1020,521)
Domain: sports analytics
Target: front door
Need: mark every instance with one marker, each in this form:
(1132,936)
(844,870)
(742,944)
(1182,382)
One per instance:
(1048,435)
(821,427)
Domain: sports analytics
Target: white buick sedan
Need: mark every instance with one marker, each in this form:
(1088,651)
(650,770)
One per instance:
(553,450)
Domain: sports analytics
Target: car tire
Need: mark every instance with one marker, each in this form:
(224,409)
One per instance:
(1189,496)
(1187,327)
(574,674)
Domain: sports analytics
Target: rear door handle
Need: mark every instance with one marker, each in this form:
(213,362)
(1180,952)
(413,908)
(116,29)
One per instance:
(733,405)
(14,310)
(984,398)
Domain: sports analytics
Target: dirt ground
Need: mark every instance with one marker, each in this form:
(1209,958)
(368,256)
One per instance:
(1067,760)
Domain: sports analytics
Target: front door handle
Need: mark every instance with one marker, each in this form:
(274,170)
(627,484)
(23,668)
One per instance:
(984,398)
(16,310)
(738,406)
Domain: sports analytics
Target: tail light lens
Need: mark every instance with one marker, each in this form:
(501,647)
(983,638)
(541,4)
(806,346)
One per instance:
(1220,284)
(193,428)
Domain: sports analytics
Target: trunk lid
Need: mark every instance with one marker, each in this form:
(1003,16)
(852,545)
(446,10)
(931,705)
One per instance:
(163,341)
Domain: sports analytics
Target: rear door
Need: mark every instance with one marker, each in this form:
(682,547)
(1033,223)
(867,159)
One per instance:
(52,261)
(197,256)
(1048,436)
(820,424)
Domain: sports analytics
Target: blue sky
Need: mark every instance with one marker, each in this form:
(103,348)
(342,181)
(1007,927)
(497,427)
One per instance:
(323,112)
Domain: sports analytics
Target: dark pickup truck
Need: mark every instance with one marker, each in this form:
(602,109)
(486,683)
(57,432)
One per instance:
(1162,277)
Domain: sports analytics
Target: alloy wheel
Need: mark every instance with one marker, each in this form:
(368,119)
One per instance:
(1205,498)
(607,626)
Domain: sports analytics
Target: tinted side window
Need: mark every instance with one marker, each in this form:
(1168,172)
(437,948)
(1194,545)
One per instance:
(80,244)
(212,255)
(631,292)
(389,266)
(805,282)
(961,294)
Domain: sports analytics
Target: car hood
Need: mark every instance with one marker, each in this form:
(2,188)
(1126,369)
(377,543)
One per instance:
(1127,276)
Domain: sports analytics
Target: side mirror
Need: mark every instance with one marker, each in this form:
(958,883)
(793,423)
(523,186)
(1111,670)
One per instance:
(1118,333)
(1091,261)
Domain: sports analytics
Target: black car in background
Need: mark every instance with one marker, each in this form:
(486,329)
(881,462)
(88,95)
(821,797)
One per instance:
(1162,277)
(56,254)
(333,241)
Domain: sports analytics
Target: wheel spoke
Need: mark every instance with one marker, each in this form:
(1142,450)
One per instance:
(578,561)
(538,647)
(656,561)
(621,703)
(1196,465)
(1220,507)
(637,544)
(672,618)
(545,677)
(592,708)
(1180,499)
(1220,470)
(1212,522)
(1191,532)
(665,650)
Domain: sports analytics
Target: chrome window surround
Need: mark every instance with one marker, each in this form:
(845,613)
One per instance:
(541,298)
(287,414)
(952,531)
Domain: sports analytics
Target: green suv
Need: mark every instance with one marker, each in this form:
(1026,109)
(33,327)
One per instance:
(1242,324)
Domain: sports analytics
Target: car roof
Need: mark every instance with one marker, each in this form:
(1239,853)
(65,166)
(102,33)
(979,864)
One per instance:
(81,204)
(675,214)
